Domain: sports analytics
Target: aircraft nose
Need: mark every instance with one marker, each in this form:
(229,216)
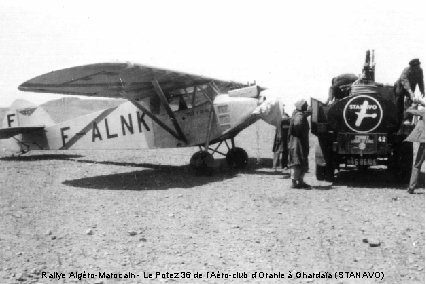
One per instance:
(269,109)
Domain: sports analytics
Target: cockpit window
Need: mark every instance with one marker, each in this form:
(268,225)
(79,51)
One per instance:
(184,99)
(155,104)
(180,102)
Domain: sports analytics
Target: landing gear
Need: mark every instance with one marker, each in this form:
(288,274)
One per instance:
(237,158)
(202,161)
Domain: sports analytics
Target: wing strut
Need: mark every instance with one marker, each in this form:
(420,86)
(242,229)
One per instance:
(211,114)
(154,118)
(209,129)
(172,116)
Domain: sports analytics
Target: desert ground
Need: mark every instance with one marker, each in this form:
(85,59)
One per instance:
(146,212)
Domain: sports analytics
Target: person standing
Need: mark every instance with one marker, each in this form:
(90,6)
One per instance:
(298,144)
(406,85)
(277,149)
(285,126)
(417,135)
(280,147)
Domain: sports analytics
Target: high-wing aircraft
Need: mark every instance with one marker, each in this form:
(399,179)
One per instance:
(165,109)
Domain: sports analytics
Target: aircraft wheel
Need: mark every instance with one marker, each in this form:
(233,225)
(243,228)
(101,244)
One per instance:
(202,162)
(237,158)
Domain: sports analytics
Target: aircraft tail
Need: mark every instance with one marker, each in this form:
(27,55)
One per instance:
(23,127)
(23,113)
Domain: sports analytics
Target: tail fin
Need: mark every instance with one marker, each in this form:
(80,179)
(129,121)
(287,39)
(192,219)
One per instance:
(23,113)
(22,127)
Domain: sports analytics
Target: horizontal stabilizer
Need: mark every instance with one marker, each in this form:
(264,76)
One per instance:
(6,133)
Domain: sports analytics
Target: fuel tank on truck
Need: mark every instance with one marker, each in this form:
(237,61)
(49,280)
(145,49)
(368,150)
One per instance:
(370,108)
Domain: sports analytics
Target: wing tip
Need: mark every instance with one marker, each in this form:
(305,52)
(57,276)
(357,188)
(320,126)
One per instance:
(22,87)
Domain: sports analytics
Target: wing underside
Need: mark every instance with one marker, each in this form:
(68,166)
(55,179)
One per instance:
(112,79)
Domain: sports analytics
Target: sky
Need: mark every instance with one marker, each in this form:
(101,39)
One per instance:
(292,47)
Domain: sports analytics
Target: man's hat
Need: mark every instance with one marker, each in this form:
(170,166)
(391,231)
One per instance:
(414,62)
(300,103)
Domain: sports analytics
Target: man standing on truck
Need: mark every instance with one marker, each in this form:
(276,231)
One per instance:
(406,85)
(298,144)
(417,135)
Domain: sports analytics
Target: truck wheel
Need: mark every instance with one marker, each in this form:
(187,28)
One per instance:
(406,162)
(401,163)
(324,169)
(320,172)
(329,173)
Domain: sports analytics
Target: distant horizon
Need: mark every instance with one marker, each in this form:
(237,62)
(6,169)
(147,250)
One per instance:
(66,98)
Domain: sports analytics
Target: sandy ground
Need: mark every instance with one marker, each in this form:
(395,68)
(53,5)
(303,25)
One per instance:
(146,212)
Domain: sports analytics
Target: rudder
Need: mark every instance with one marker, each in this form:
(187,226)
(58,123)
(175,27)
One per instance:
(27,120)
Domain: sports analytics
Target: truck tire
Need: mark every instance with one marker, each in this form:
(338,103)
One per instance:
(320,172)
(401,162)
(329,173)
(324,169)
(406,162)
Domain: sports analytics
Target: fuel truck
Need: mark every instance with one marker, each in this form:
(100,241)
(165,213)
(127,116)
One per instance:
(360,128)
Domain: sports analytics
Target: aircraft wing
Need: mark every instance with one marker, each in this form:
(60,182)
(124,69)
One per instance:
(6,133)
(110,79)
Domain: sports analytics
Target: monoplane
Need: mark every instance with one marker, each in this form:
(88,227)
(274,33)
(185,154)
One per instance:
(164,109)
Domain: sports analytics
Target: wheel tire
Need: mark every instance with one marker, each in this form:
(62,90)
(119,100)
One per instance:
(401,162)
(320,172)
(329,173)
(405,162)
(323,170)
(237,158)
(202,163)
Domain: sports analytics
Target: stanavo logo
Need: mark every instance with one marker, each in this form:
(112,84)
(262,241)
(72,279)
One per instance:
(363,114)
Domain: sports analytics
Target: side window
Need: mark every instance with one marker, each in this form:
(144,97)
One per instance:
(200,96)
(183,99)
(180,102)
(155,105)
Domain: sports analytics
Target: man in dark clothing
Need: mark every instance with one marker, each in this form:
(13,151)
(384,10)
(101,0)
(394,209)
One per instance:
(298,144)
(406,85)
(280,147)
(285,126)
(277,149)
